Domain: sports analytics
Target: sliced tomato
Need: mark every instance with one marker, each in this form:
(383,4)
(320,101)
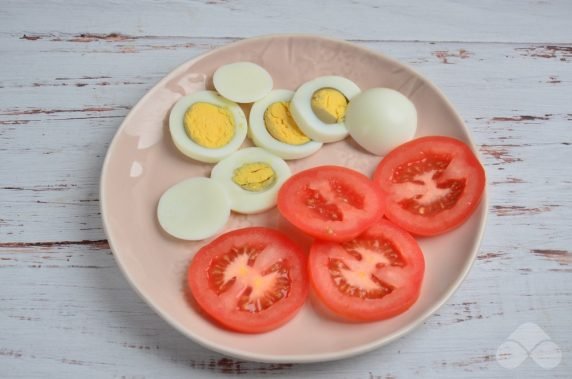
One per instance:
(372,277)
(330,202)
(250,280)
(432,184)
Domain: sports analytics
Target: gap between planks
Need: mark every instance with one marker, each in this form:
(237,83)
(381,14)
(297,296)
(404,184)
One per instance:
(118,37)
(99,244)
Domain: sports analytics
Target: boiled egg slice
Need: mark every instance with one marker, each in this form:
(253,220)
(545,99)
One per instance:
(252,178)
(273,128)
(194,209)
(243,82)
(319,107)
(207,127)
(380,119)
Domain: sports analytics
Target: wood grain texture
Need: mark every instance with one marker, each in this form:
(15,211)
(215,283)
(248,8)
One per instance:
(441,20)
(67,82)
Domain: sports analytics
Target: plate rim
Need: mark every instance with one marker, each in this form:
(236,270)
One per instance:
(295,358)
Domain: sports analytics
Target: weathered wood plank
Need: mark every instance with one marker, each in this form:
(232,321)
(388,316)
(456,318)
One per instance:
(442,20)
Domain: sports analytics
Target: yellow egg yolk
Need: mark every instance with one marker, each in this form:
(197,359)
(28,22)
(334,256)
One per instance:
(281,125)
(208,125)
(255,177)
(329,105)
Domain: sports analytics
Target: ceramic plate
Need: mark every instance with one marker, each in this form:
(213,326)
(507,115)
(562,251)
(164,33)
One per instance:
(142,163)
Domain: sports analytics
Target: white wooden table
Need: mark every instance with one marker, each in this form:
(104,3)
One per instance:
(69,73)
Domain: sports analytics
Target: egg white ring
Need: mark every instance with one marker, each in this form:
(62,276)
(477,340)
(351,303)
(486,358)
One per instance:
(241,200)
(192,149)
(262,138)
(309,123)
(194,209)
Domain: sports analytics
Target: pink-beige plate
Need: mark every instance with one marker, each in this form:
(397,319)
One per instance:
(142,163)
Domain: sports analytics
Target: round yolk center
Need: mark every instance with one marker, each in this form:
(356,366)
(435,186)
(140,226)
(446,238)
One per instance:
(281,125)
(329,105)
(255,177)
(209,125)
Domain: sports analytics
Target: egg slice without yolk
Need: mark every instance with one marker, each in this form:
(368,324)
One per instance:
(194,209)
(273,128)
(243,82)
(252,178)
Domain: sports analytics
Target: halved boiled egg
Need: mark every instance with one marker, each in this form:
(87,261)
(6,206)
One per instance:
(380,119)
(273,128)
(319,107)
(194,209)
(252,178)
(207,127)
(243,82)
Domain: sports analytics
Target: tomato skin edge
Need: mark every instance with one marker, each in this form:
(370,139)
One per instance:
(351,317)
(287,208)
(208,304)
(348,312)
(477,186)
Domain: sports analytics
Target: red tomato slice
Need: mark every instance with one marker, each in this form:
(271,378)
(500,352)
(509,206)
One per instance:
(250,280)
(432,184)
(330,202)
(372,277)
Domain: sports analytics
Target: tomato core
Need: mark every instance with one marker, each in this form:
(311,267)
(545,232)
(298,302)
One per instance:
(433,196)
(356,276)
(261,289)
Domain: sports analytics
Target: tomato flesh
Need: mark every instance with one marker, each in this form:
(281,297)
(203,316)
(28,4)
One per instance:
(330,202)
(260,288)
(432,184)
(250,280)
(372,277)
